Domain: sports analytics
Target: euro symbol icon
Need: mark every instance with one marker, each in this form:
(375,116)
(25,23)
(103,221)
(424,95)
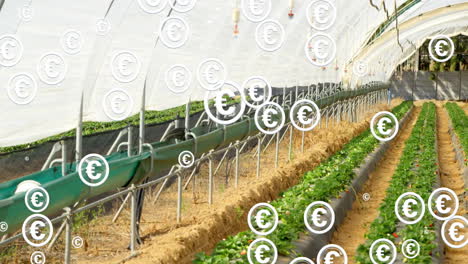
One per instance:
(220,102)
(440,204)
(253,93)
(35,199)
(116,104)
(35,232)
(72,40)
(316,214)
(302,116)
(381,126)
(50,65)
(209,73)
(21,88)
(5,50)
(268,34)
(380,253)
(330,256)
(38,259)
(173,32)
(123,66)
(259,254)
(439,49)
(257,7)
(267,119)
(406,208)
(178,78)
(90,170)
(320,49)
(186,159)
(454,232)
(409,249)
(259,219)
(320,12)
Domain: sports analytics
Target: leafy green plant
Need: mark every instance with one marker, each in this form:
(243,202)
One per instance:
(460,124)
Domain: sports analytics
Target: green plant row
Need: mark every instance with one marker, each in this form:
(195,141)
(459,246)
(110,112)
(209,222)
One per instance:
(416,172)
(325,182)
(460,124)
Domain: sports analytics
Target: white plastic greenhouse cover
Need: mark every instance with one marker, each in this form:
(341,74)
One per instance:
(56,108)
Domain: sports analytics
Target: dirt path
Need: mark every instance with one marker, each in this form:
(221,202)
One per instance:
(351,232)
(450,175)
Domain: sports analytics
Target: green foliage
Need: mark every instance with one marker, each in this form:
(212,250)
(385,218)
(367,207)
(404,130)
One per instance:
(460,124)
(323,183)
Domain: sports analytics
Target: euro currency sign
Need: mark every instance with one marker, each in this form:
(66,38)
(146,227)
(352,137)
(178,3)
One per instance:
(381,254)
(116,104)
(254,93)
(440,203)
(102,26)
(330,256)
(34,230)
(123,65)
(21,88)
(268,34)
(259,254)
(439,49)
(72,40)
(186,159)
(221,102)
(409,249)
(302,115)
(406,208)
(257,7)
(178,78)
(91,170)
(267,119)
(320,13)
(49,67)
(174,31)
(209,73)
(381,126)
(26,13)
(259,219)
(35,199)
(38,259)
(5,50)
(320,49)
(315,217)
(454,232)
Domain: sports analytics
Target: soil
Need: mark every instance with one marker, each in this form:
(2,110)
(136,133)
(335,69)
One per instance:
(450,175)
(350,234)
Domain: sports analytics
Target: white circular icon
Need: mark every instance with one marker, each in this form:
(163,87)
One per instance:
(360,68)
(22,88)
(305,115)
(410,248)
(269,35)
(37,199)
(385,119)
(301,260)
(26,13)
(37,230)
(320,49)
(102,27)
(225,113)
(366,197)
(178,78)
(442,198)
(72,42)
(262,219)
(152,6)
(125,66)
(117,104)
(182,6)
(37,257)
(52,68)
(411,206)
(258,89)
(3,226)
(211,74)
(11,50)
(384,251)
(319,217)
(256,10)
(96,170)
(186,159)
(174,32)
(330,253)
(77,242)
(270,118)
(262,250)
(454,232)
(441,48)
(321,14)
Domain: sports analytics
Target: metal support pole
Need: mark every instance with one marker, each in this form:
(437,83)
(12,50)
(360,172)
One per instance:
(210,179)
(302,141)
(129,140)
(121,208)
(79,135)
(133,219)
(277,148)
(236,178)
(290,142)
(141,137)
(64,157)
(259,151)
(179,197)
(187,116)
(68,230)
